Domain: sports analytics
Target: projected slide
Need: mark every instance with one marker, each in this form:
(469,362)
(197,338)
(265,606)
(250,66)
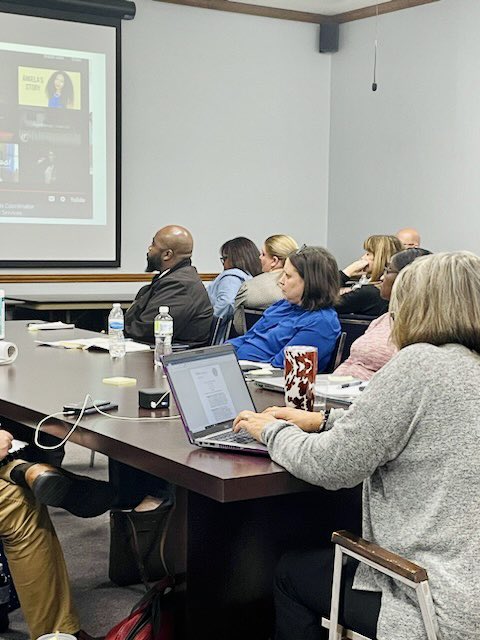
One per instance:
(45,155)
(58,142)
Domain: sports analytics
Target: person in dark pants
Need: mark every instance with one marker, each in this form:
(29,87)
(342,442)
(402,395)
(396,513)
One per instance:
(303,588)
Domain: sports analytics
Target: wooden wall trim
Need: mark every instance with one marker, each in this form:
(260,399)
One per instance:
(300,16)
(255,10)
(385,7)
(50,278)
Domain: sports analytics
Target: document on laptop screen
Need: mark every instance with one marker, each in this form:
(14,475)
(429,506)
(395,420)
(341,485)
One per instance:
(210,385)
(209,391)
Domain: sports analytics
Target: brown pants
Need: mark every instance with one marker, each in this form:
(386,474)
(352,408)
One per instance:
(36,560)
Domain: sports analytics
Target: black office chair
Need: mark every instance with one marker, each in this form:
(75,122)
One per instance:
(219,330)
(252,316)
(354,326)
(338,353)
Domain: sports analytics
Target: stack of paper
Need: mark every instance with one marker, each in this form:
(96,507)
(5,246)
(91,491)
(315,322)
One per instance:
(42,326)
(92,343)
(339,389)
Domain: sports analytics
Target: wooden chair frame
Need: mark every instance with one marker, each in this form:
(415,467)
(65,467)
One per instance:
(387,562)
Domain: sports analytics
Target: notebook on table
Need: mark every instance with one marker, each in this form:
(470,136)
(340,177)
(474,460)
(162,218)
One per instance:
(334,390)
(210,391)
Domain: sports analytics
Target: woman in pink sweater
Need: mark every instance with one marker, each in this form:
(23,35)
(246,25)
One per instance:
(374,348)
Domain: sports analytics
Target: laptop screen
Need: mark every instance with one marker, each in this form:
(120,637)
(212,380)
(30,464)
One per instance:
(209,387)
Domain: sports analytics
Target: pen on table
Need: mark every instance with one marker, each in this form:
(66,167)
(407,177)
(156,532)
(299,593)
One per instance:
(351,384)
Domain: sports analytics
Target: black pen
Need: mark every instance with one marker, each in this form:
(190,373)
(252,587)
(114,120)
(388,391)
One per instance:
(351,384)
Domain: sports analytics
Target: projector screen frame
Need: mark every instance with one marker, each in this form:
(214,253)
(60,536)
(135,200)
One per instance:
(72,14)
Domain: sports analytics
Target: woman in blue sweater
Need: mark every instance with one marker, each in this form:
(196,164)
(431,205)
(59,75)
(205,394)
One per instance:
(310,286)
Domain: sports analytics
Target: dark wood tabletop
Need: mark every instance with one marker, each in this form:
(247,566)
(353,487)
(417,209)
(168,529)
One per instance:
(235,514)
(43,379)
(71,301)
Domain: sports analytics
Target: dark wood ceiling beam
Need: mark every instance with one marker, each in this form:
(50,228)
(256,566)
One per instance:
(384,7)
(300,16)
(255,10)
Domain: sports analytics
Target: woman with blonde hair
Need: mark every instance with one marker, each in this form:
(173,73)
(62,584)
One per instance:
(364,296)
(372,350)
(413,438)
(263,290)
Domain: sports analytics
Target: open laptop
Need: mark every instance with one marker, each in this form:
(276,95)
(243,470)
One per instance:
(210,391)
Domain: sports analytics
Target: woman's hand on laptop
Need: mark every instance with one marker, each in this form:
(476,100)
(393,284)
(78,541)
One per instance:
(306,420)
(252,422)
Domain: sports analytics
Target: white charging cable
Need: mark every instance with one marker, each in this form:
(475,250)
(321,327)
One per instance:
(80,416)
(154,405)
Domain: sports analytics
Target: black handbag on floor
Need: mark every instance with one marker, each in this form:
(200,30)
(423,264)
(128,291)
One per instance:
(137,540)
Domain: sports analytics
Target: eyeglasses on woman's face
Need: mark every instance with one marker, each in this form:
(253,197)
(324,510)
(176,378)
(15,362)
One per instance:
(223,259)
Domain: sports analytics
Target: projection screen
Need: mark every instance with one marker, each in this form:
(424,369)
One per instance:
(59,142)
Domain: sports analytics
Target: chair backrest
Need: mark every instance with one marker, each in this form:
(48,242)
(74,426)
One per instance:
(386,562)
(251,317)
(219,330)
(354,326)
(337,355)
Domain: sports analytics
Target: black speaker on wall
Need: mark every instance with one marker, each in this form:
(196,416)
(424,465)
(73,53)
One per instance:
(329,37)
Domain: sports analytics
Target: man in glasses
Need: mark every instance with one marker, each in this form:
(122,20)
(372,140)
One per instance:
(177,285)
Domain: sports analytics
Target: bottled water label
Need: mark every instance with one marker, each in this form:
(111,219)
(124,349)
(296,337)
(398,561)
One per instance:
(163,327)
(116,325)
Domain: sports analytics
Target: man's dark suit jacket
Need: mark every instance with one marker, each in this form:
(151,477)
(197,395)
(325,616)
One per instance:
(183,292)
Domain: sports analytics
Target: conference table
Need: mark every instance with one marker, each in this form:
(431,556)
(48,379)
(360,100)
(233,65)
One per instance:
(235,514)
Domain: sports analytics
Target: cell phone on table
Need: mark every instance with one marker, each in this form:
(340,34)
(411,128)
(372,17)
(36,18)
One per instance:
(76,407)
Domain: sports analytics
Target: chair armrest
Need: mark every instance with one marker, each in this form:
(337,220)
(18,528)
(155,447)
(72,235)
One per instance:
(382,557)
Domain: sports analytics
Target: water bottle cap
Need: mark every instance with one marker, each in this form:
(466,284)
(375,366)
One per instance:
(164,309)
(116,304)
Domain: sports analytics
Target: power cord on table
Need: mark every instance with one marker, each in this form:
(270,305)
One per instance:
(80,416)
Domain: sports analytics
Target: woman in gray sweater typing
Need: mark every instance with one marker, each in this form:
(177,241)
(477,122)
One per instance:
(413,438)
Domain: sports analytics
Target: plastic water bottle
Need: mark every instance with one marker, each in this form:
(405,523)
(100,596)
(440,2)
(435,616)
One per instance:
(163,329)
(4,599)
(116,339)
(2,314)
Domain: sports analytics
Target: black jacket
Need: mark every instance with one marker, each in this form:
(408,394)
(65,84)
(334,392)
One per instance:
(364,301)
(184,293)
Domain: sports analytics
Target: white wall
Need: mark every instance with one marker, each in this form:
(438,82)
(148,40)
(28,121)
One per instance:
(409,153)
(225,129)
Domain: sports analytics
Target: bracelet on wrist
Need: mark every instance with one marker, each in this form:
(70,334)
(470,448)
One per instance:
(326,415)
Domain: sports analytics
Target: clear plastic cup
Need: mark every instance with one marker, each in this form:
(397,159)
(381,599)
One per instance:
(321,394)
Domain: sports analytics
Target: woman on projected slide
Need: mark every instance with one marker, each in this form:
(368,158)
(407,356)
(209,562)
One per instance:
(59,90)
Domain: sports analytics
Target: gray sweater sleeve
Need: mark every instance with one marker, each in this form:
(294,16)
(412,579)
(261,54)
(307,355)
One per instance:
(371,433)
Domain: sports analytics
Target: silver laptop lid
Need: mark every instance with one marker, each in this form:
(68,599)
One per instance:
(208,387)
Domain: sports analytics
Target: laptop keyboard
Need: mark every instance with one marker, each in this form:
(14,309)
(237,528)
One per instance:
(231,436)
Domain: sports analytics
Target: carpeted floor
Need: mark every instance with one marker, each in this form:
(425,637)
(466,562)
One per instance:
(85,543)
